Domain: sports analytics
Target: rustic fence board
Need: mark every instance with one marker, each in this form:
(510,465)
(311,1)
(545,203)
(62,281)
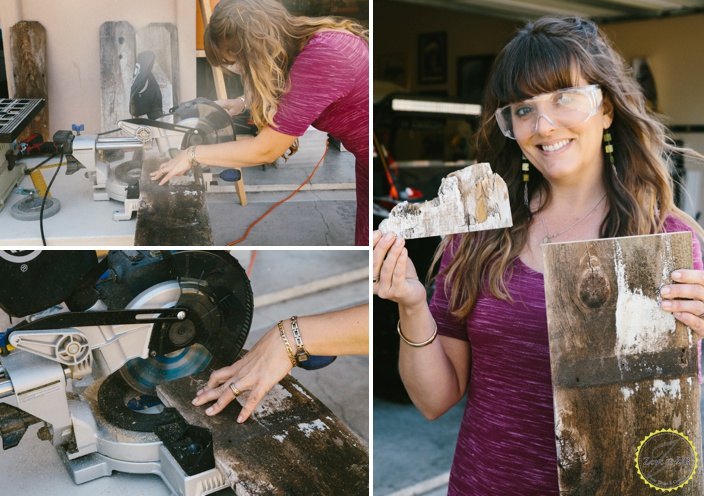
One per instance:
(174,214)
(292,444)
(162,39)
(622,368)
(28,52)
(117,59)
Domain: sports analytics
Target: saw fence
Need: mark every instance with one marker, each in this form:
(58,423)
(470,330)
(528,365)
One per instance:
(624,372)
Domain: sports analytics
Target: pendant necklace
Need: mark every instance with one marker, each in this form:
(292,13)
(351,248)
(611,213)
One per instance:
(549,237)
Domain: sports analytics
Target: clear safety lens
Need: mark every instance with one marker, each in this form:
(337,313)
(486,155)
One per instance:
(563,108)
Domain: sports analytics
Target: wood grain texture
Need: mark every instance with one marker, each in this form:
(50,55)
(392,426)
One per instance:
(28,52)
(162,39)
(117,59)
(622,368)
(471,199)
(174,214)
(292,444)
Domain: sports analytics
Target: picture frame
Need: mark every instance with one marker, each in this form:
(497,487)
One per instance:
(472,75)
(392,68)
(432,58)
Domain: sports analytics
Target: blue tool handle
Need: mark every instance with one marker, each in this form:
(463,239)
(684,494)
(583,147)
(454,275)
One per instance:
(317,362)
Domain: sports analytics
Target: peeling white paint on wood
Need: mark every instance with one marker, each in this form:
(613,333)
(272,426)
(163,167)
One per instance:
(309,428)
(641,325)
(662,389)
(274,401)
(471,199)
(626,392)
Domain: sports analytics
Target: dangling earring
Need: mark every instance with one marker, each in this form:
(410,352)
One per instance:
(609,149)
(525,167)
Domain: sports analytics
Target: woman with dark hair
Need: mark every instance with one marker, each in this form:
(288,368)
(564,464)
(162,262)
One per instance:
(298,72)
(567,127)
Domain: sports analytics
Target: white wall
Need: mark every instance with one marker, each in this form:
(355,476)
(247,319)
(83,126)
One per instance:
(73,51)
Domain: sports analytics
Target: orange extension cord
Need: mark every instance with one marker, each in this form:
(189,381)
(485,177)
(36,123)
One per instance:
(256,221)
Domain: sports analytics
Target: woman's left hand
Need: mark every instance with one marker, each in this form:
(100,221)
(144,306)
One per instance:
(685,299)
(177,166)
(256,373)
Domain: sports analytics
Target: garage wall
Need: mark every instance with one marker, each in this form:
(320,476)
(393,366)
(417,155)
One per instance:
(397,26)
(73,52)
(674,48)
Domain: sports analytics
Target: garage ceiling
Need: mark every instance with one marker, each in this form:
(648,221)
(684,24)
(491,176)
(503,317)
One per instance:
(600,10)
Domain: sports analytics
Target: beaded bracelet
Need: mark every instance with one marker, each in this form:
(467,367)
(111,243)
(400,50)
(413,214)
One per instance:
(414,344)
(282,333)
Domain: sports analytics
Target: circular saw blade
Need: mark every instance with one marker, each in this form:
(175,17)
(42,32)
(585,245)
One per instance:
(217,293)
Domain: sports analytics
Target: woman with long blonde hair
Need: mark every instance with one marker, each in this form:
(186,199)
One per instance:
(561,101)
(297,71)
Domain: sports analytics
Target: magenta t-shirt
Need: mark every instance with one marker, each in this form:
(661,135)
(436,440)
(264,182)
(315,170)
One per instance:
(506,443)
(329,89)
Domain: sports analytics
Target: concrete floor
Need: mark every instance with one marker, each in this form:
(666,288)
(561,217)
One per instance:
(34,468)
(323,216)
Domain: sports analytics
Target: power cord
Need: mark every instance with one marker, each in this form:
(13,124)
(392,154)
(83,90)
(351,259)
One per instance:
(48,188)
(270,209)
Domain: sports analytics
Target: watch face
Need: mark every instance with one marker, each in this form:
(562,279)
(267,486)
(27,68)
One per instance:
(302,356)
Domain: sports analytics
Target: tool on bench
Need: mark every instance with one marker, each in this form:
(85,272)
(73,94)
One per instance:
(97,338)
(15,116)
(93,330)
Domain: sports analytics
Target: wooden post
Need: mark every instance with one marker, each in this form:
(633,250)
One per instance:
(292,443)
(28,49)
(624,372)
(206,10)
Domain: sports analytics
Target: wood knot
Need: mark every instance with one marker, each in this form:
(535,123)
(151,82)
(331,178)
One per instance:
(594,288)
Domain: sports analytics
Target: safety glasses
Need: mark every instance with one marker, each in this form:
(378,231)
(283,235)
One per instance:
(562,108)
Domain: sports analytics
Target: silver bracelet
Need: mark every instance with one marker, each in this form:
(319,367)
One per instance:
(301,353)
(420,344)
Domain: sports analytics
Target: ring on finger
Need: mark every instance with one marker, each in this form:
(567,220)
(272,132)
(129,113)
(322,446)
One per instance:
(234,389)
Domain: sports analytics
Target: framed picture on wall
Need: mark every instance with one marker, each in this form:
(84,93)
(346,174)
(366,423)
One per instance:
(472,75)
(432,58)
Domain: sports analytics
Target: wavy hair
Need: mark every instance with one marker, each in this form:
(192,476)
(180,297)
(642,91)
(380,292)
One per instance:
(264,39)
(542,58)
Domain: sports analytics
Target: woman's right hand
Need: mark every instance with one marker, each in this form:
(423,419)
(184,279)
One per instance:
(234,106)
(395,277)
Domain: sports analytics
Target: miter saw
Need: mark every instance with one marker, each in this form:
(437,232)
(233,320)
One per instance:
(96,339)
(114,163)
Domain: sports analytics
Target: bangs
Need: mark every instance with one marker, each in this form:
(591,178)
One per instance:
(533,64)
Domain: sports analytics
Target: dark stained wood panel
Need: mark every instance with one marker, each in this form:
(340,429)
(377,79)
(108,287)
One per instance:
(292,444)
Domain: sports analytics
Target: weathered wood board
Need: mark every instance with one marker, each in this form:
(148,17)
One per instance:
(471,199)
(624,372)
(117,59)
(119,47)
(28,52)
(162,39)
(292,444)
(174,214)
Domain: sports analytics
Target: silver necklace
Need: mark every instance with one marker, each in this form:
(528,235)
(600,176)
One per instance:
(549,237)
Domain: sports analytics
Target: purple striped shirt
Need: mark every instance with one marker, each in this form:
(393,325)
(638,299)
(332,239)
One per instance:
(329,89)
(506,443)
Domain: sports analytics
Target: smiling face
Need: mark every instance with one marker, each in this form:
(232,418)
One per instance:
(567,155)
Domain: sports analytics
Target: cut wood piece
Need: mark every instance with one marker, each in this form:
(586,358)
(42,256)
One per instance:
(471,199)
(292,444)
(28,52)
(624,372)
(117,62)
(174,214)
(162,39)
